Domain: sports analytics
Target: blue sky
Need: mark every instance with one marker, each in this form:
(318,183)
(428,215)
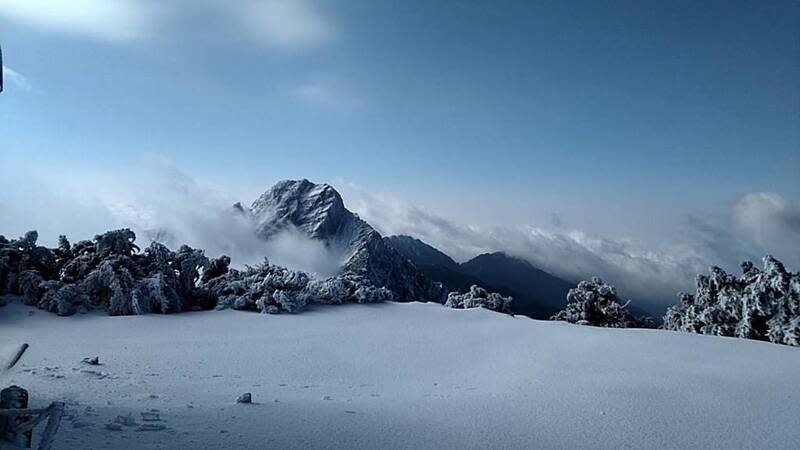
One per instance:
(619,118)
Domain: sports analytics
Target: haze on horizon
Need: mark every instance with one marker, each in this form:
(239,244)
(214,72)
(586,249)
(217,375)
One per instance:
(643,142)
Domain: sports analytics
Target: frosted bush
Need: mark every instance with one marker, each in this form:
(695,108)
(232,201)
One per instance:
(327,291)
(62,299)
(478,297)
(596,303)
(156,293)
(111,273)
(29,281)
(371,294)
(761,304)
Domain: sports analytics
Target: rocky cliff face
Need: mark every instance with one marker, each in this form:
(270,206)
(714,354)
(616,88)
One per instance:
(318,211)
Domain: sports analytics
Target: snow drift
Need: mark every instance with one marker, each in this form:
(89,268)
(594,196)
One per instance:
(400,375)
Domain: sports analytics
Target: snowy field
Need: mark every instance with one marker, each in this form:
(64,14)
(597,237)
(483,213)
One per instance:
(399,376)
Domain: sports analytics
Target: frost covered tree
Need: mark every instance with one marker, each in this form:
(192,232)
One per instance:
(271,289)
(111,273)
(478,297)
(596,303)
(761,304)
(108,272)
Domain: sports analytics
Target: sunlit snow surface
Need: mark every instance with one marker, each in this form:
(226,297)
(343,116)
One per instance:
(400,376)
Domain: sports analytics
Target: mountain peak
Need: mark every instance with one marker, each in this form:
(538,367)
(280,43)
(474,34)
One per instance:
(316,209)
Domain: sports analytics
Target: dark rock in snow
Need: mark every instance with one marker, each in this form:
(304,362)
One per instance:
(93,361)
(245,398)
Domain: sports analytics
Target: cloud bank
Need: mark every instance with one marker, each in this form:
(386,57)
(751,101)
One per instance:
(769,220)
(162,203)
(159,202)
(283,24)
(652,275)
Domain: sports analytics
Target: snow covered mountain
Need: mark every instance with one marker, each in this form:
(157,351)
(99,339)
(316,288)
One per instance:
(318,211)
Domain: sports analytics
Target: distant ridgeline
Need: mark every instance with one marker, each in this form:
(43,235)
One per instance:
(112,273)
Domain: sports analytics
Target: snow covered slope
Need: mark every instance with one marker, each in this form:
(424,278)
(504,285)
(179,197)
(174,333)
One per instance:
(400,376)
(318,211)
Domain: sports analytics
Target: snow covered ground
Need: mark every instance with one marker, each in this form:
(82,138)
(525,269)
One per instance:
(400,376)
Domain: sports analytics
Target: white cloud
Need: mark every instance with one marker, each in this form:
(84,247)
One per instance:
(570,254)
(770,220)
(281,24)
(158,202)
(285,23)
(652,275)
(17,79)
(110,20)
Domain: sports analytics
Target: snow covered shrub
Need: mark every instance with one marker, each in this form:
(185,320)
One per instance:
(289,301)
(109,286)
(263,287)
(478,297)
(111,273)
(117,242)
(760,304)
(156,293)
(371,294)
(595,303)
(107,273)
(29,281)
(62,299)
(271,289)
(327,291)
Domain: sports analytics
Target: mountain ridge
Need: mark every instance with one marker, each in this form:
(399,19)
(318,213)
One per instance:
(536,293)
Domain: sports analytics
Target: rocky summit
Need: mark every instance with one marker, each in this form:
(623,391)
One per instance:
(317,210)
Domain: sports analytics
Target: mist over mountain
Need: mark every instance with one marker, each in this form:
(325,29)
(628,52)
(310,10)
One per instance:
(161,201)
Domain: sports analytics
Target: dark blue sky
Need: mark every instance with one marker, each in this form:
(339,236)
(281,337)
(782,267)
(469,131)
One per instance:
(621,118)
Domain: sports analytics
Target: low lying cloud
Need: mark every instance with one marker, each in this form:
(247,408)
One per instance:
(162,203)
(157,201)
(769,220)
(652,276)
